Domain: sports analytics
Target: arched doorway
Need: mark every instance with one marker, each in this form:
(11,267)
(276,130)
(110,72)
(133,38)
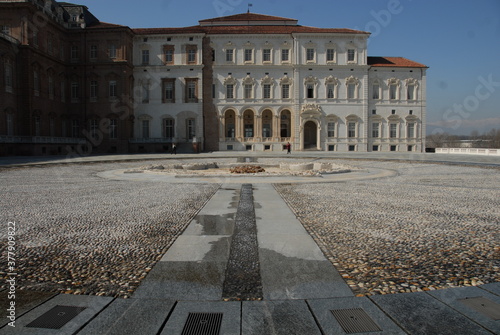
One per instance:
(310,135)
(229,124)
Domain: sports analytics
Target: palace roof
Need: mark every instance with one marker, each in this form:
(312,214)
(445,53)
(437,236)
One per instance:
(393,62)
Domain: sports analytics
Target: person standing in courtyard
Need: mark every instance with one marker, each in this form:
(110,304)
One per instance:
(288,148)
(174,149)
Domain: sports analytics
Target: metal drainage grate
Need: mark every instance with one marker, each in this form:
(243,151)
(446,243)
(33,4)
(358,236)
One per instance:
(203,324)
(484,306)
(56,317)
(355,320)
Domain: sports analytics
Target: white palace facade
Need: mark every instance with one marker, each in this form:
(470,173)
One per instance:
(256,82)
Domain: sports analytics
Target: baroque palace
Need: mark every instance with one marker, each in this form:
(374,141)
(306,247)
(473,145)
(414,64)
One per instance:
(74,85)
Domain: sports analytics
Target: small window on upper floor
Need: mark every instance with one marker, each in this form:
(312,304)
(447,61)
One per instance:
(145,57)
(285,55)
(248,55)
(330,55)
(351,55)
(230,55)
(266,55)
(310,55)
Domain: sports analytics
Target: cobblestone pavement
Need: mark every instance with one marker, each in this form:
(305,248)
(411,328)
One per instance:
(77,233)
(432,226)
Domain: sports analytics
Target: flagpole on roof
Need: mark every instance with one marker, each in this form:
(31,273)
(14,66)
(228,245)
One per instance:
(249,5)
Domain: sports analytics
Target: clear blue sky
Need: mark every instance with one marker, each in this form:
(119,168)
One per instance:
(458,39)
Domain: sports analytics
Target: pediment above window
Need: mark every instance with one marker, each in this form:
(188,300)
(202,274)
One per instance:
(311,111)
(230,80)
(248,80)
(267,80)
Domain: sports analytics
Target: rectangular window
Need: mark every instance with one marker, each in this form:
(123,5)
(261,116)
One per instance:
(50,48)
(168,51)
(145,93)
(93,52)
(10,125)
(285,91)
(393,130)
(51,88)
(411,130)
(191,54)
(6,30)
(248,91)
(93,89)
(376,91)
(351,91)
(191,90)
(75,129)
(37,125)
(112,51)
(310,55)
(63,91)
(375,148)
(351,129)
(113,129)
(145,128)
(75,94)
(330,55)
(113,89)
(351,54)
(191,128)
(36,83)
(35,39)
(248,55)
(310,91)
(375,129)
(266,55)
(392,92)
(168,90)
(411,92)
(330,91)
(267,91)
(8,78)
(94,126)
(285,55)
(331,129)
(145,57)
(74,53)
(230,55)
(168,125)
(394,147)
(229,91)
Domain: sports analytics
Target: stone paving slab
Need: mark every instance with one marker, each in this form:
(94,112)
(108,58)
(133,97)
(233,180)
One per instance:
(322,308)
(183,281)
(130,316)
(194,266)
(25,300)
(93,305)
(231,318)
(287,317)
(492,287)
(453,297)
(292,265)
(420,313)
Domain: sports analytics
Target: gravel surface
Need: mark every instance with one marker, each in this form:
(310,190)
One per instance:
(77,233)
(432,226)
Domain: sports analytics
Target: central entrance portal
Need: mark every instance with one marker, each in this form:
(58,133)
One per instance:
(310,135)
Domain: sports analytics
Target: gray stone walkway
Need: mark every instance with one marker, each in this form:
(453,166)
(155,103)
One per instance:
(303,293)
